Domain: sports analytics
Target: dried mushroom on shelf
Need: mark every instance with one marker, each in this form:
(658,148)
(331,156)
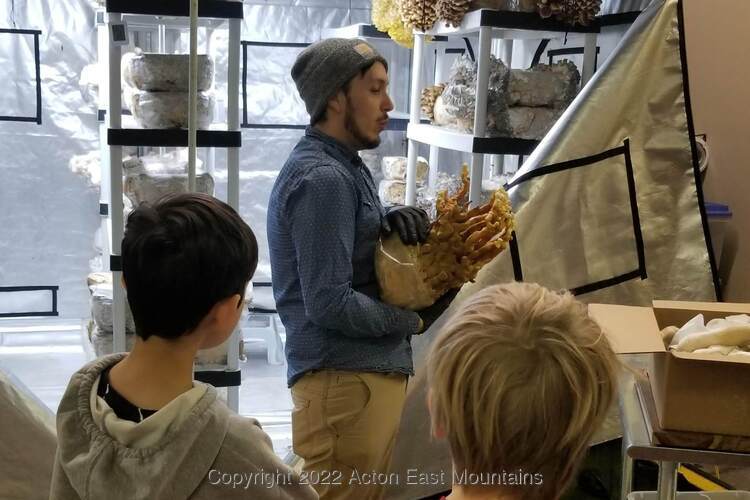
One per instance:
(521,103)
(156,89)
(571,12)
(452,11)
(159,110)
(418,14)
(164,72)
(429,96)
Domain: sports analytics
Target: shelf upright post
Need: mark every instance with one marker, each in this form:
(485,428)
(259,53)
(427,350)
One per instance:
(233,181)
(434,164)
(508,60)
(161,33)
(504,50)
(480,112)
(589,57)
(507,52)
(439,78)
(161,47)
(192,94)
(414,117)
(210,152)
(233,112)
(101,104)
(114,118)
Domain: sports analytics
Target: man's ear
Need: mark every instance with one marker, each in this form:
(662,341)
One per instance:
(337,103)
(122,281)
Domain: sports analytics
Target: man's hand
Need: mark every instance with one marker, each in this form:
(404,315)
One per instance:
(412,224)
(431,313)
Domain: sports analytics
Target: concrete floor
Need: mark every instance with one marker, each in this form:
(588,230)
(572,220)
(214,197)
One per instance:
(43,356)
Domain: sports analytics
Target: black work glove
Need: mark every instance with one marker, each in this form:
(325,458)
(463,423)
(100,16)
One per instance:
(431,313)
(412,224)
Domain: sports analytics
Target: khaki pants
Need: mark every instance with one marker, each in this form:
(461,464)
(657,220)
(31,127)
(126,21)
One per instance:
(344,426)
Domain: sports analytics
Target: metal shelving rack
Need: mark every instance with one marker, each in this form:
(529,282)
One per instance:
(489,25)
(210,12)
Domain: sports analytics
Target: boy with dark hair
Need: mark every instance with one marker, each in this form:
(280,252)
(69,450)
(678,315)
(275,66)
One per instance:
(136,425)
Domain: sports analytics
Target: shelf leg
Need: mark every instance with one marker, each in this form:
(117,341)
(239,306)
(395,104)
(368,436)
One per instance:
(233,113)
(441,69)
(233,363)
(414,117)
(193,94)
(233,181)
(233,398)
(104,194)
(627,472)
(497,165)
(439,77)
(434,162)
(161,47)
(505,53)
(667,480)
(480,112)
(114,119)
(589,58)
(476,174)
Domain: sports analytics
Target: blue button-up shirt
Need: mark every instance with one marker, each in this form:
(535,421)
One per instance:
(324,220)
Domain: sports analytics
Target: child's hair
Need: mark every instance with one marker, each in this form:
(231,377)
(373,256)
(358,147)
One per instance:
(520,379)
(180,257)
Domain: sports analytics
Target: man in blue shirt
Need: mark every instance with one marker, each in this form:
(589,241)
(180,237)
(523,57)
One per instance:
(349,354)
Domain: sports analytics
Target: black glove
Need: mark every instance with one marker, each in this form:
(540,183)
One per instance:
(431,313)
(412,224)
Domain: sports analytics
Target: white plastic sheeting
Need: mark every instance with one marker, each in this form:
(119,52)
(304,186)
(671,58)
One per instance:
(49,214)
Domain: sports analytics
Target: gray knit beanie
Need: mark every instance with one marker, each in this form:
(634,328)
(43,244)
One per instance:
(323,68)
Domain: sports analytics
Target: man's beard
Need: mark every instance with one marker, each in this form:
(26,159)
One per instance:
(363,142)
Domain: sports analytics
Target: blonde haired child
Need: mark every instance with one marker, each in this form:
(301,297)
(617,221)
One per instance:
(519,378)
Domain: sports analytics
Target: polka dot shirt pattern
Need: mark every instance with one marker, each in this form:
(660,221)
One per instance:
(324,220)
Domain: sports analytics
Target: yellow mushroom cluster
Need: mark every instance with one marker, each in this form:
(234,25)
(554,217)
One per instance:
(386,16)
(460,243)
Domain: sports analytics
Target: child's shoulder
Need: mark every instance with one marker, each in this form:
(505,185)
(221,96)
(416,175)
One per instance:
(247,434)
(247,452)
(246,442)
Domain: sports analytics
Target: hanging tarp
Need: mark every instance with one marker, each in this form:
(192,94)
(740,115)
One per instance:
(609,205)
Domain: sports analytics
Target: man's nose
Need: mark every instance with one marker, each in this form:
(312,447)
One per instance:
(388,103)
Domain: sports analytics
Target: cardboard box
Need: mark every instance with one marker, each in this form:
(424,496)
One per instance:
(707,393)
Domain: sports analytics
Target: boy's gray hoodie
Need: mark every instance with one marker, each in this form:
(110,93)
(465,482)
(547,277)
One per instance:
(206,452)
